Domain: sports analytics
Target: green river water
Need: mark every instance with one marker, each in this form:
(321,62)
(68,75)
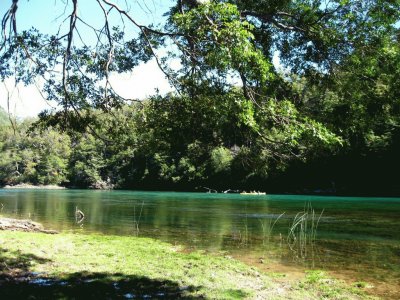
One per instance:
(355,238)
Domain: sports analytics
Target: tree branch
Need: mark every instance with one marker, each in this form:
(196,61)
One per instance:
(269,18)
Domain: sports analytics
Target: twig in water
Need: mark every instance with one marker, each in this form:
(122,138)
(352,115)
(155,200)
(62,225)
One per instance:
(209,190)
(79,215)
(136,223)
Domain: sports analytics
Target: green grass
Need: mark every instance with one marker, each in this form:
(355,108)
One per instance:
(41,266)
(329,288)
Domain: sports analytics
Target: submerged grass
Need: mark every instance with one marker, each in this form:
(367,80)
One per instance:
(97,267)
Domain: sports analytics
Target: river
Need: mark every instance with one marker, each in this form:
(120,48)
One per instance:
(357,238)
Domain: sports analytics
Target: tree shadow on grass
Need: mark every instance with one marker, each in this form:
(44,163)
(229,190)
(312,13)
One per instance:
(17,282)
(15,264)
(95,286)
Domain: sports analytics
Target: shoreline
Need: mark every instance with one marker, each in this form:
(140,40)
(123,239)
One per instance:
(34,187)
(27,186)
(12,224)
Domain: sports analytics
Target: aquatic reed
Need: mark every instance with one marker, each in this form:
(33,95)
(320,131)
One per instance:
(267,227)
(136,220)
(243,236)
(303,230)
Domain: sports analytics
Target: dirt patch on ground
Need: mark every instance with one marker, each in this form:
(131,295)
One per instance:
(23,225)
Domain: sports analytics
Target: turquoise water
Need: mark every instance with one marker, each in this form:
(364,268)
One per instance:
(360,236)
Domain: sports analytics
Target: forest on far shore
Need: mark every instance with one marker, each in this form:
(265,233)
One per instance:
(179,143)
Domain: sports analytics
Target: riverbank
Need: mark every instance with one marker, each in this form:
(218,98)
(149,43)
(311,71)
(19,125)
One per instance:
(23,225)
(97,267)
(35,187)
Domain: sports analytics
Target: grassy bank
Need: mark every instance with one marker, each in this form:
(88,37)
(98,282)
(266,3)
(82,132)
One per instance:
(97,267)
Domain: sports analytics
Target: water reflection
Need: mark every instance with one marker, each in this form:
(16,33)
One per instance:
(357,234)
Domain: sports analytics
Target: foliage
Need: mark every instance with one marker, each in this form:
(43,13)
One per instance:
(33,157)
(221,159)
(222,41)
(86,162)
(3,117)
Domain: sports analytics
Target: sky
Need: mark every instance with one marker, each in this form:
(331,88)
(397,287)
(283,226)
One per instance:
(26,101)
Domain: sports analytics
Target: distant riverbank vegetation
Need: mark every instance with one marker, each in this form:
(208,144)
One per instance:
(205,143)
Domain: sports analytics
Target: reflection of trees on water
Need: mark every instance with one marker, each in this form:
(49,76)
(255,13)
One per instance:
(207,222)
(196,221)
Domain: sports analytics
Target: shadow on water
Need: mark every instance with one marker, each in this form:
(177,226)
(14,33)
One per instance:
(18,282)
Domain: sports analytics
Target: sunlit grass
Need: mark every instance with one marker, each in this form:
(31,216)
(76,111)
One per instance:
(124,262)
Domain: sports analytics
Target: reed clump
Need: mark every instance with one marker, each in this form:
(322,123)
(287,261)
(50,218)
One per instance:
(267,226)
(302,232)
